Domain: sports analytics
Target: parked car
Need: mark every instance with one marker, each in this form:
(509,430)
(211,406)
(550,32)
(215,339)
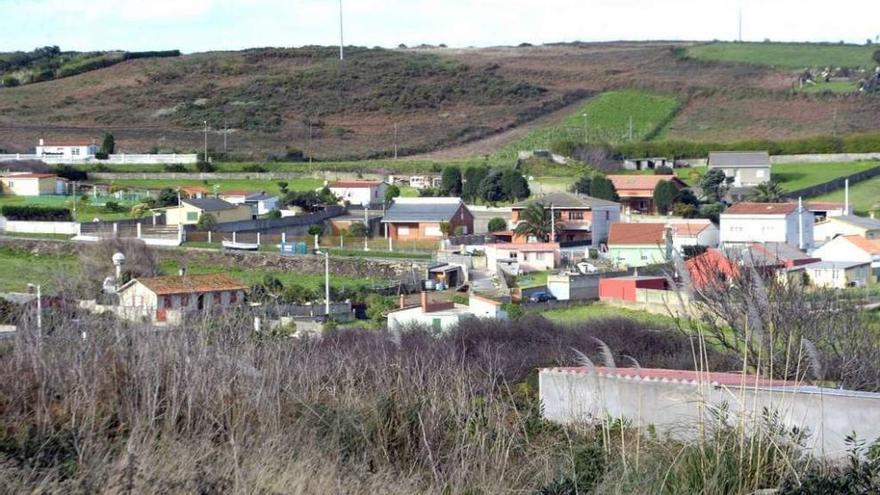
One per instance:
(543,296)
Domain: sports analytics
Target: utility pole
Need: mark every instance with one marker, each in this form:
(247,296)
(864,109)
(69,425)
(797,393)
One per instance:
(341,44)
(740,25)
(552,224)
(225,131)
(205,157)
(310,144)
(630,128)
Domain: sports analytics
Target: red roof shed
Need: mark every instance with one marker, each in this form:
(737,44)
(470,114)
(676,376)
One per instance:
(624,288)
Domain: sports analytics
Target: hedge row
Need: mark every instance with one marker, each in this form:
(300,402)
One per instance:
(35,213)
(858,143)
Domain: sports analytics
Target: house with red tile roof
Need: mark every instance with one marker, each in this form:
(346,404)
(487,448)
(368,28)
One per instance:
(637,191)
(852,248)
(359,192)
(767,222)
(31,184)
(167,300)
(639,244)
(717,267)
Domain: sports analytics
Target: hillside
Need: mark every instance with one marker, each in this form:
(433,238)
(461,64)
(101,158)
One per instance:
(420,100)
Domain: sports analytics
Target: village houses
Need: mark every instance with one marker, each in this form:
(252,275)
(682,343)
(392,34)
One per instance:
(582,219)
(167,300)
(359,192)
(767,222)
(423,218)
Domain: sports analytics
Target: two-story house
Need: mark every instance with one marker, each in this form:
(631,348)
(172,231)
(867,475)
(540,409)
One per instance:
(637,191)
(767,222)
(359,192)
(745,168)
(579,218)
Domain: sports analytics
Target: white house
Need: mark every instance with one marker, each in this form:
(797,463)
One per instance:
(836,274)
(32,184)
(259,201)
(851,248)
(528,257)
(832,227)
(767,222)
(442,317)
(745,168)
(687,231)
(69,149)
(359,192)
(166,300)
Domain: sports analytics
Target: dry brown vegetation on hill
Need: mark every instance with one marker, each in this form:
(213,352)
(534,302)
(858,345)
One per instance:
(420,100)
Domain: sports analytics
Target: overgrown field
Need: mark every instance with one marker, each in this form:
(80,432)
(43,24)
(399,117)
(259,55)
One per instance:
(787,55)
(864,196)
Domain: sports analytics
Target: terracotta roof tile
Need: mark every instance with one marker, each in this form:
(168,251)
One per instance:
(645,182)
(689,228)
(188,284)
(28,176)
(351,184)
(870,246)
(761,209)
(636,234)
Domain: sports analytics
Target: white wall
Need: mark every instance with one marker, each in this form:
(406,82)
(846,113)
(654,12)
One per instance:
(841,249)
(117,159)
(28,227)
(358,195)
(677,408)
(767,228)
(601,226)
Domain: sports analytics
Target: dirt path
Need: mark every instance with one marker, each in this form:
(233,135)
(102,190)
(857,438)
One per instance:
(493,143)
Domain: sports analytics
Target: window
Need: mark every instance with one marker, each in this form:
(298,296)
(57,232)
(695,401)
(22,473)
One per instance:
(576,215)
(184,300)
(168,302)
(404,231)
(433,231)
(74,151)
(218,298)
(759,174)
(192,216)
(436,324)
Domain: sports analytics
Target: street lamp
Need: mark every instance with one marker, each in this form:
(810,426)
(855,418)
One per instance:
(326,280)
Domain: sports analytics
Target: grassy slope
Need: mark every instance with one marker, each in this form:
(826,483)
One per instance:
(596,311)
(786,55)
(270,186)
(607,119)
(18,268)
(864,196)
(793,176)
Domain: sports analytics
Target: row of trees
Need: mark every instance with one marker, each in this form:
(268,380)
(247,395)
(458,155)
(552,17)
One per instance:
(481,183)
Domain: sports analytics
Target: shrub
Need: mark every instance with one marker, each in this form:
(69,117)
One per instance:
(35,213)
(175,168)
(254,167)
(113,207)
(497,224)
(205,167)
(100,155)
(70,173)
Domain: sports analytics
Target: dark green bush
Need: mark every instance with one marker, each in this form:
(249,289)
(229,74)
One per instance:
(70,173)
(175,168)
(35,213)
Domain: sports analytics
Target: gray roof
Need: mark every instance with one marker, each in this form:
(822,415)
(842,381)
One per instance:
(209,204)
(258,196)
(863,222)
(420,212)
(740,159)
(566,200)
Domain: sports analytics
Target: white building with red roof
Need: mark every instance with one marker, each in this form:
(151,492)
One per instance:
(73,149)
(359,192)
(767,222)
(167,300)
(31,184)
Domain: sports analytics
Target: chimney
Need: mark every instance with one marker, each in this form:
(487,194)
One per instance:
(41,141)
(424,302)
(402,301)
(182,272)
(31,289)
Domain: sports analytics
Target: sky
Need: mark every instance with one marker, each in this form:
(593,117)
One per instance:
(203,25)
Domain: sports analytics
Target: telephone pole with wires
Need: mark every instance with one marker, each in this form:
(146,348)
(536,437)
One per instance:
(341,44)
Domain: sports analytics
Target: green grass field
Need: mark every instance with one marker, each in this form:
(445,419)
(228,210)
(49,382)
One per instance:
(794,176)
(597,311)
(787,55)
(831,87)
(85,212)
(270,186)
(19,268)
(604,118)
(864,196)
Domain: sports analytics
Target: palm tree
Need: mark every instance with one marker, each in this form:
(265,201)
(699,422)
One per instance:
(767,192)
(535,221)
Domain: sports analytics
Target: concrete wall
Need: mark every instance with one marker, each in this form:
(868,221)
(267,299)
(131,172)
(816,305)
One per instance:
(807,158)
(678,408)
(568,287)
(29,227)
(121,159)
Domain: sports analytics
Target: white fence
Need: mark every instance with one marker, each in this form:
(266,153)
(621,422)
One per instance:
(32,227)
(118,159)
(810,158)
